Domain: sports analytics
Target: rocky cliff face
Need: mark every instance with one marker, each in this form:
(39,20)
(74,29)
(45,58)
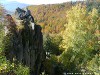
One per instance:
(24,45)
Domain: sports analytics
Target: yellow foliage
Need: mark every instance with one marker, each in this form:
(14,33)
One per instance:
(79,37)
(19,27)
(80,25)
(3,67)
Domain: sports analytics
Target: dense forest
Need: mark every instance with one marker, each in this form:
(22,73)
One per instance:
(51,17)
(71,39)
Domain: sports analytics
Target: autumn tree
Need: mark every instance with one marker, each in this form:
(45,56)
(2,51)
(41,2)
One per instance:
(80,40)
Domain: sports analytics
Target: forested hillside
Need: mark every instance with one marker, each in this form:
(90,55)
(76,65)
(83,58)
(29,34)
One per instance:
(72,49)
(51,17)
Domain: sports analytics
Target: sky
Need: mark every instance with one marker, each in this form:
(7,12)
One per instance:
(38,2)
(11,5)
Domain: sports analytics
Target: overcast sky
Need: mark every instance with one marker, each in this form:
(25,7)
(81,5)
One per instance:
(37,2)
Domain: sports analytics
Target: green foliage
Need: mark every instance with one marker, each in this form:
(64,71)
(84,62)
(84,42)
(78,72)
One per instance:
(21,70)
(1,37)
(2,58)
(1,26)
(79,38)
(51,45)
(92,4)
(6,67)
(93,65)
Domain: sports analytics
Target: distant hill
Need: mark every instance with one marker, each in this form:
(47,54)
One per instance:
(51,17)
(11,6)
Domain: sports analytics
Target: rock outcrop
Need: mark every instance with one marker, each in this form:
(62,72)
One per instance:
(24,45)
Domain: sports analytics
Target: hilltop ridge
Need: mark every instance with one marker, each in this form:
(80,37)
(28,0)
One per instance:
(51,17)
